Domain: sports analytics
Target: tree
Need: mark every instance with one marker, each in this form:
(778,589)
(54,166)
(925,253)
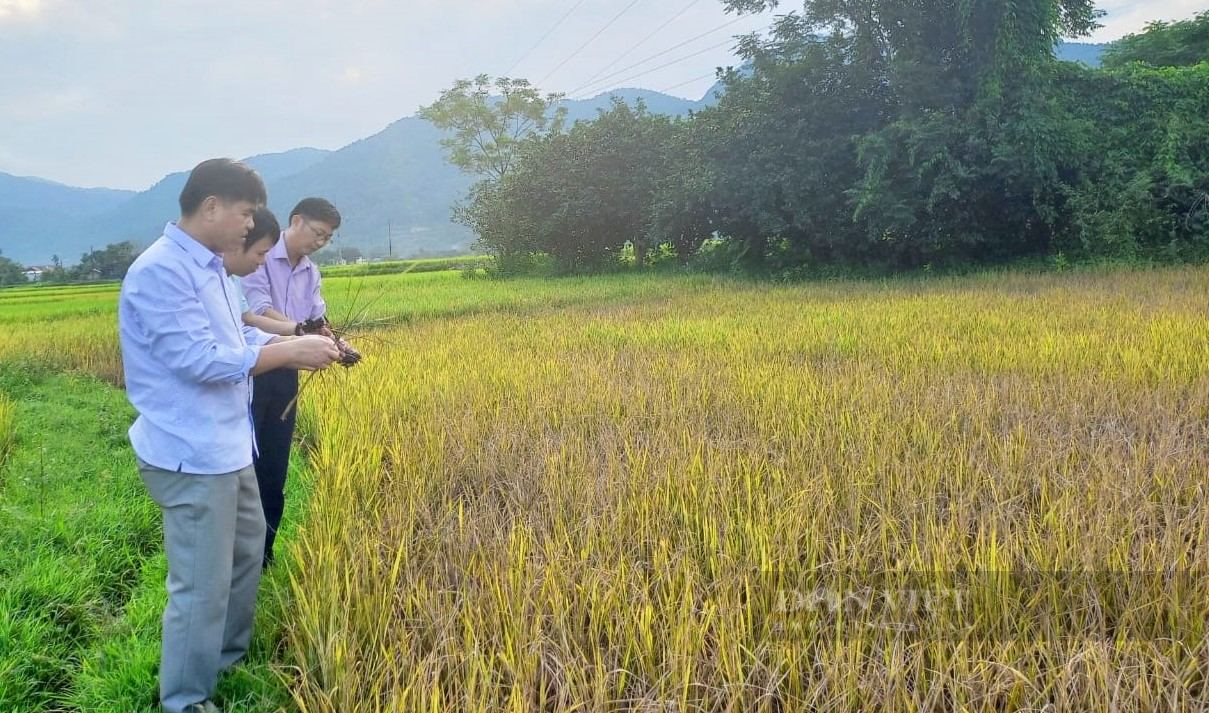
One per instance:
(488,133)
(338,255)
(1162,44)
(578,196)
(56,272)
(782,144)
(967,161)
(110,263)
(617,161)
(11,273)
(1140,192)
(499,217)
(682,213)
(489,128)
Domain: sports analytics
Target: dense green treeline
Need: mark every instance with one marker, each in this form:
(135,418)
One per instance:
(883,135)
(109,263)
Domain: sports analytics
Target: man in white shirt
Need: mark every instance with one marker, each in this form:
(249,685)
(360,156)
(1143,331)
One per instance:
(187,358)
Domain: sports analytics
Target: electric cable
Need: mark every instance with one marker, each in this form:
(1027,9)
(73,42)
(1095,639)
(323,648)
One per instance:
(607,78)
(589,41)
(688,81)
(654,32)
(584,95)
(543,37)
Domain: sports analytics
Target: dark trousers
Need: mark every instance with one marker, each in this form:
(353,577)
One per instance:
(272,393)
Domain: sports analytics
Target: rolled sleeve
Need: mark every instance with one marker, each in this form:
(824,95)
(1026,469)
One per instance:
(251,355)
(254,336)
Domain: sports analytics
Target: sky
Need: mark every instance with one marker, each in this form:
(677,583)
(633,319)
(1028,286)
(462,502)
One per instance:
(119,93)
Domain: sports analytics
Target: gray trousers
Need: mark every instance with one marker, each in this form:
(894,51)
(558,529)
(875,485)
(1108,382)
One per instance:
(214,538)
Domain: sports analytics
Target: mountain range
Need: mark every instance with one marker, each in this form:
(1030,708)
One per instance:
(394,190)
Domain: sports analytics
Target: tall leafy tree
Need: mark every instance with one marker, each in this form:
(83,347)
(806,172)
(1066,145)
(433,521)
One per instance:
(600,186)
(783,143)
(489,120)
(682,211)
(579,196)
(497,211)
(1162,44)
(489,124)
(965,164)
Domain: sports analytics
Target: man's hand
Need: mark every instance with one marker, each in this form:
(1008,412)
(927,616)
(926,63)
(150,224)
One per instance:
(319,325)
(348,355)
(313,352)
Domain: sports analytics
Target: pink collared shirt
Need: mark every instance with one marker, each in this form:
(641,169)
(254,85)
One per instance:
(295,292)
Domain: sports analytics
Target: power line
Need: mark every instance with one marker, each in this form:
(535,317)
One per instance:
(688,81)
(589,41)
(607,78)
(543,37)
(667,64)
(642,41)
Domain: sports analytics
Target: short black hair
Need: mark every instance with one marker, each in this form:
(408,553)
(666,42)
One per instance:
(264,224)
(223,178)
(317,209)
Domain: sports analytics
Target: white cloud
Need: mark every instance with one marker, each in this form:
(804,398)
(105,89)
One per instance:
(1126,17)
(15,10)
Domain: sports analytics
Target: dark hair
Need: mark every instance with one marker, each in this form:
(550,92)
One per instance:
(264,224)
(222,178)
(317,209)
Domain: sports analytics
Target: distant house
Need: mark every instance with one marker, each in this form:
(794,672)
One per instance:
(34,273)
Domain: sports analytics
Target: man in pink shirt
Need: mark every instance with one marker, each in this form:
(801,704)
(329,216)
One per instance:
(286,287)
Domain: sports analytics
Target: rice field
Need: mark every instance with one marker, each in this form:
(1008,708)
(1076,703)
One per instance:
(684,494)
(75,327)
(629,506)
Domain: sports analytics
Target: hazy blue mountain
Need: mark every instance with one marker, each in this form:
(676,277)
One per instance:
(141,218)
(656,103)
(34,211)
(395,180)
(274,167)
(1084,52)
(40,219)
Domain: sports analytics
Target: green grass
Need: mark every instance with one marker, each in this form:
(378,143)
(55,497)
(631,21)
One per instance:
(81,560)
(406,298)
(8,434)
(73,528)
